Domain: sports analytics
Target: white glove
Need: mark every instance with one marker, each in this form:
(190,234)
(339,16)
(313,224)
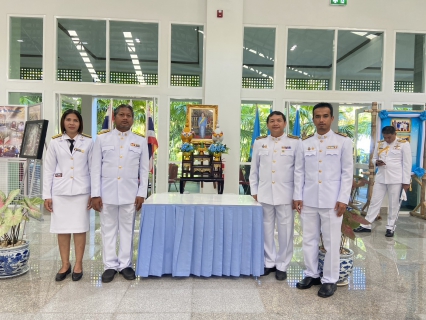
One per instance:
(403,195)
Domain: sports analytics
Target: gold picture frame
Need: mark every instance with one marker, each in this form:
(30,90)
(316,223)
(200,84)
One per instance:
(404,137)
(202,120)
(401,125)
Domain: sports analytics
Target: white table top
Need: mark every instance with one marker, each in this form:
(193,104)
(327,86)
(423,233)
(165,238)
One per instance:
(201,199)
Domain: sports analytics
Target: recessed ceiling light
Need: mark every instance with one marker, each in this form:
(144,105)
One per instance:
(137,40)
(20,40)
(359,33)
(371,36)
(127,34)
(84,42)
(72,33)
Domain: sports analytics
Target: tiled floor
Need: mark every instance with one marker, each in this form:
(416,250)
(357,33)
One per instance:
(388,282)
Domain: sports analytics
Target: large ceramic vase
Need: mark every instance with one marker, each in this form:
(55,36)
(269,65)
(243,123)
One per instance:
(346,265)
(14,260)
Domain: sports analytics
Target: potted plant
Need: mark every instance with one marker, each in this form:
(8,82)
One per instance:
(217,149)
(14,250)
(351,219)
(187,149)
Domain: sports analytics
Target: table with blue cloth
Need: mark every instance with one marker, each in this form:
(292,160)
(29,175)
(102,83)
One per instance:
(201,235)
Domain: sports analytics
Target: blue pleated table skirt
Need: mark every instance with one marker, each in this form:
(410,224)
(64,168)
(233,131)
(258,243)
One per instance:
(202,235)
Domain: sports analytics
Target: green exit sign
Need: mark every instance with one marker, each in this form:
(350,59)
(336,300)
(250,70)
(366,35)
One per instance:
(338,2)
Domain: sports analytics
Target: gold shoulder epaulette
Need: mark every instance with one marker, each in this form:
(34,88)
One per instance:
(57,136)
(402,140)
(293,137)
(307,137)
(85,135)
(139,134)
(103,131)
(341,134)
(261,137)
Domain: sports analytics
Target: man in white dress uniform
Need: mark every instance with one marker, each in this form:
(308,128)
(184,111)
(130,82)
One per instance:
(322,199)
(393,159)
(119,187)
(275,160)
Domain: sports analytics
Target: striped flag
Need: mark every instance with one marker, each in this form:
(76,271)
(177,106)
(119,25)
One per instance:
(107,124)
(152,141)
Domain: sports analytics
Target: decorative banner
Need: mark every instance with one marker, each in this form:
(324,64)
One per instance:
(410,126)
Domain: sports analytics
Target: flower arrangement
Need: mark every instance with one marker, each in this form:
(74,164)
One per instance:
(12,214)
(218,148)
(187,147)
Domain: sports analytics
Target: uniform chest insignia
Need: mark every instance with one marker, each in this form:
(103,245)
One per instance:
(332,147)
(286,147)
(264,146)
(311,148)
(397,147)
(58,175)
(135,145)
(79,150)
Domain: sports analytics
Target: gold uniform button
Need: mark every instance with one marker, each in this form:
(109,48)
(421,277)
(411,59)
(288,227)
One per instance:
(121,156)
(320,140)
(276,141)
(320,150)
(121,147)
(119,167)
(320,171)
(320,161)
(273,171)
(72,167)
(123,138)
(72,158)
(72,177)
(275,150)
(273,161)
(118,178)
(273,181)
(319,181)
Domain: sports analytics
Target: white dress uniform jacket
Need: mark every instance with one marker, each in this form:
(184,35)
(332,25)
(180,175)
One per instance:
(66,173)
(120,165)
(328,170)
(398,159)
(274,164)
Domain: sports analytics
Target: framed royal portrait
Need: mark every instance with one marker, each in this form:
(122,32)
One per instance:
(33,139)
(202,120)
(401,125)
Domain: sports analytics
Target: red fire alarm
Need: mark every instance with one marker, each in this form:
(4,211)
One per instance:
(220,13)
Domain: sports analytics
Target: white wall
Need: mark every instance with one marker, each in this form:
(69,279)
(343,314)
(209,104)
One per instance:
(223,54)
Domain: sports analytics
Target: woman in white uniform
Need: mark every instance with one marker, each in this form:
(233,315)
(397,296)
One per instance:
(66,190)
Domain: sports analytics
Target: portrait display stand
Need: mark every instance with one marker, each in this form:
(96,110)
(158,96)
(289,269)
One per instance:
(201,168)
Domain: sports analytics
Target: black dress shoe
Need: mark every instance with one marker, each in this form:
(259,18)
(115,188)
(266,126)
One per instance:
(267,271)
(62,276)
(77,275)
(280,275)
(108,275)
(128,273)
(308,282)
(389,233)
(362,229)
(327,290)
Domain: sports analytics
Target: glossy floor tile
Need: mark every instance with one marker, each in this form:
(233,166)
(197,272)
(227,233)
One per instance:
(388,282)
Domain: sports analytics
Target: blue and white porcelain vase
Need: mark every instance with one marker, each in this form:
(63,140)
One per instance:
(346,265)
(14,260)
